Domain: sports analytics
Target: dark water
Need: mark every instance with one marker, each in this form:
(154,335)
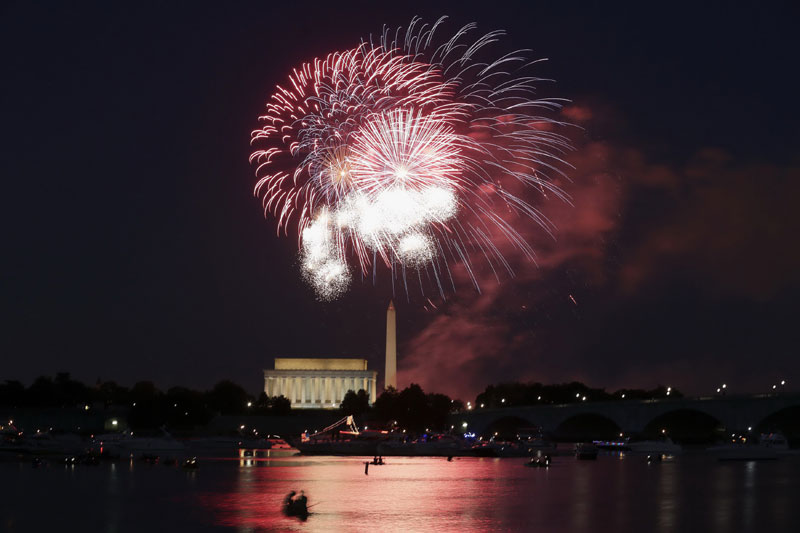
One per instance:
(612,494)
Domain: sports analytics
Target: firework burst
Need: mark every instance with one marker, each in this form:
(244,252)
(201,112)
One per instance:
(396,152)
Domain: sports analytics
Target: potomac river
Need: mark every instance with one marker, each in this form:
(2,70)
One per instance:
(615,493)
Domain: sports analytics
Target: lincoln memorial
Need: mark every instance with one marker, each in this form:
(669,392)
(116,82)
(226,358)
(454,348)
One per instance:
(319,383)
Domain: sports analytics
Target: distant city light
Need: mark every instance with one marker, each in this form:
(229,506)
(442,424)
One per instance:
(783,382)
(577,394)
(481,406)
(85,407)
(249,404)
(623,394)
(724,386)
(503,400)
(113,422)
(538,397)
(583,399)
(718,389)
(242,427)
(464,424)
(749,428)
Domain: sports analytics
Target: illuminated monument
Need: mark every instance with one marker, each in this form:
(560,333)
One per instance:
(319,383)
(322,383)
(390,378)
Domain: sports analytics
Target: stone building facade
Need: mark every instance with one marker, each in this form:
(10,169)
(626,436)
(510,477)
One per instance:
(317,382)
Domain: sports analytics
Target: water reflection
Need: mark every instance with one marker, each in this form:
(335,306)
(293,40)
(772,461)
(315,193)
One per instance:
(691,493)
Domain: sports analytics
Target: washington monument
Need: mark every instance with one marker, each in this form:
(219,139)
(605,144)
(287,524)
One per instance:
(390,377)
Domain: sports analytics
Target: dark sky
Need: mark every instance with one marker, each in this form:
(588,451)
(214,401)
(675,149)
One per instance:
(134,249)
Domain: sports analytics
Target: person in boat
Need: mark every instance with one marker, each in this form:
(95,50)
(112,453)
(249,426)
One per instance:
(294,505)
(300,504)
(289,497)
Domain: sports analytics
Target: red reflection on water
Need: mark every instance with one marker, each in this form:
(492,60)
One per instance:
(404,493)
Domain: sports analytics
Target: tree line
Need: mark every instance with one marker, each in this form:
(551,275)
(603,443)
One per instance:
(515,394)
(144,403)
(411,408)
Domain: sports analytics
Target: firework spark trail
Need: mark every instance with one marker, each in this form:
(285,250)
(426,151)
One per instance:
(400,151)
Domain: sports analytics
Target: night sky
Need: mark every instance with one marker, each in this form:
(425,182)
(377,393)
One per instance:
(134,249)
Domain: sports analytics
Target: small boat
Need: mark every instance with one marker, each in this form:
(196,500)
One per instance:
(775,441)
(296,506)
(586,451)
(770,446)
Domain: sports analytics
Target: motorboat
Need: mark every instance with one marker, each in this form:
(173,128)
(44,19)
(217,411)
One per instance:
(769,447)
(46,442)
(775,441)
(662,446)
(128,444)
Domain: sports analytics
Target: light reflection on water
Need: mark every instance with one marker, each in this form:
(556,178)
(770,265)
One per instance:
(691,493)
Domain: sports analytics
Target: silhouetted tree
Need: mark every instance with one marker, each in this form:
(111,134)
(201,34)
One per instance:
(280,405)
(355,403)
(228,398)
(12,394)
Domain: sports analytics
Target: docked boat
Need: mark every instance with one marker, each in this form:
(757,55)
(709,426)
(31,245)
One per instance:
(662,446)
(126,444)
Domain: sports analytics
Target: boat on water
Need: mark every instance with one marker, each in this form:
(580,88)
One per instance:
(775,441)
(663,446)
(128,444)
(534,441)
(346,441)
(769,447)
(621,445)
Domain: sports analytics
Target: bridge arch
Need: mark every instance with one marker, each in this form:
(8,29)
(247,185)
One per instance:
(587,426)
(785,420)
(686,425)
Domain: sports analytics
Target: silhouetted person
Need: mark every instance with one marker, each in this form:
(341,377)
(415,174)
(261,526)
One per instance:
(287,501)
